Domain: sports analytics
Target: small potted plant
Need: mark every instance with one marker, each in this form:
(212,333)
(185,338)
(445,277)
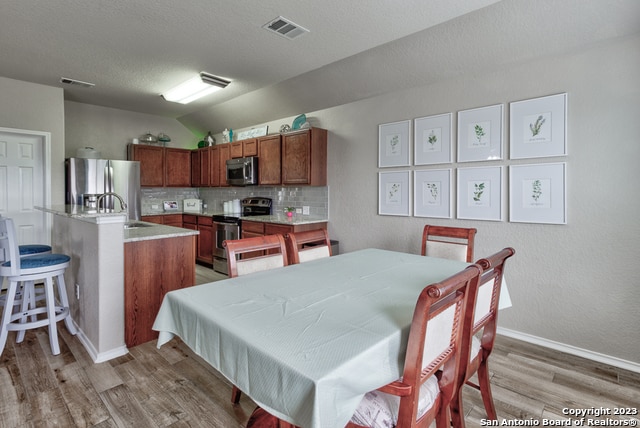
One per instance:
(289,211)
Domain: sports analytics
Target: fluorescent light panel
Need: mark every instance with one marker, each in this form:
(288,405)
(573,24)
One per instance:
(195,88)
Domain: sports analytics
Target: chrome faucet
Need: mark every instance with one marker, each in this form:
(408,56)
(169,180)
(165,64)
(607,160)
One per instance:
(123,205)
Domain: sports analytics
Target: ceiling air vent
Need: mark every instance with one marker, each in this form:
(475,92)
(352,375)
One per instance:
(75,82)
(285,28)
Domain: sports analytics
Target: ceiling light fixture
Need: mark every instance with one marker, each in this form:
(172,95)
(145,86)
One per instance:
(195,88)
(75,82)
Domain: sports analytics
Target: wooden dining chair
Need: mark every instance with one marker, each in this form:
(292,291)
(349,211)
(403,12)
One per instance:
(255,254)
(448,242)
(308,245)
(482,314)
(437,351)
(250,255)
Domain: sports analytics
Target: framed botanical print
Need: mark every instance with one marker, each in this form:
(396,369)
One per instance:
(432,139)
(480,134)
(393,144)
(538,193)
(480,193)
(393,193)
(432,193)
(538,127)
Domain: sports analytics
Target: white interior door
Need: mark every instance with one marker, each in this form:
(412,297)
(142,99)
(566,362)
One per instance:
(24,183)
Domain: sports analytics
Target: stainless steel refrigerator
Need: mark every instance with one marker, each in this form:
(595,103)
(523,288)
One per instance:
(87,179)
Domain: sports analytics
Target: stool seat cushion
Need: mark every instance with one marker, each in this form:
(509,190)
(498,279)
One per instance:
(40,261)
(25,250)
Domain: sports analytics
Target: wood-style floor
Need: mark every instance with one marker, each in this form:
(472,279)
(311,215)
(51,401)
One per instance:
(172,387)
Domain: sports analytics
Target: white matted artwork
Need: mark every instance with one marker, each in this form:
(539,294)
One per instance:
(480,193)
(480,134)
(432,193)
(432,139)
(393,193)
(538,193)
(393,144)
(538,127)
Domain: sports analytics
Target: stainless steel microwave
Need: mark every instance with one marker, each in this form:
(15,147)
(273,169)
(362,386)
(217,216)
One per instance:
(242,171)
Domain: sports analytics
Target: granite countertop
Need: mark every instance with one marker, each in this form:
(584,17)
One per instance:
(275,218)
(81,213)
(154,231)
(283,219)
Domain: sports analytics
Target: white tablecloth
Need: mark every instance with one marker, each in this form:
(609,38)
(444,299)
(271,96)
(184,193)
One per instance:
(306,342)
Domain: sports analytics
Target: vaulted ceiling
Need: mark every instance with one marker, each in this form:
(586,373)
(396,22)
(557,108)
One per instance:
(134,50)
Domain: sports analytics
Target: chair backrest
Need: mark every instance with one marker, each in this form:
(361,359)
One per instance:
(448,242)
(485,311)
(438,340)
(271,247)
(308,245)
(9,248)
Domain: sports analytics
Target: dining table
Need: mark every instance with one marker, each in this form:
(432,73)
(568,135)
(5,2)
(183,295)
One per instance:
(306,342)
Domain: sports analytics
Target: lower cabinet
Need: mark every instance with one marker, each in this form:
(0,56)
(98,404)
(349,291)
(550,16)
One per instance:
(151,269)
(205,240)
(168,219)
(256,228)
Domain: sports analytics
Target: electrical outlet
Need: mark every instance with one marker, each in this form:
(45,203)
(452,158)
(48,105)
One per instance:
(298,210)
(78,291)
(155,206)
(305,210)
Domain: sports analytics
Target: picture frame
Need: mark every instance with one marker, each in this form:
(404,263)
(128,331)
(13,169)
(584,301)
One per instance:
(393,193)
(260,131)
(432,139)
(538,127)
(480,133)
(393,144)
(433,193)
(480,193)
(538,193)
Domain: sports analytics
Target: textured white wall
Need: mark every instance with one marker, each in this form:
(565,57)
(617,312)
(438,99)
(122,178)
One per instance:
(110,130)
(35,107)
(576,284)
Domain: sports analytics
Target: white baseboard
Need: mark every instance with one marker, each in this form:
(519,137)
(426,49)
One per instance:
(569,349)
(99,357)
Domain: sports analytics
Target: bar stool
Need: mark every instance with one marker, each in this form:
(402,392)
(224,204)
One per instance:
(27,271)
(25,251)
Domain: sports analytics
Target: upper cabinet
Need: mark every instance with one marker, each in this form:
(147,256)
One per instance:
(304,157)
(269,160)
(162,166)
(293,159)
(177,167)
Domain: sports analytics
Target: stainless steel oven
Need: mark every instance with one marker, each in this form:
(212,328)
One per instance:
(228,227)
(224,228)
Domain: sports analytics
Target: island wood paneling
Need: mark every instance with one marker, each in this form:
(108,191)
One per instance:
(152,268)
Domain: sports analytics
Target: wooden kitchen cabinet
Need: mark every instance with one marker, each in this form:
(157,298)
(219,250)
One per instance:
(157,219)
(151,160)
(269,160)
(190,221)
(214,166)
(177,169)
(195,168)
(257,228)
(168,219)
(205,240)
(172,220)
(304,157)
(244,148)
(162,166)
(225,155)
(152,268)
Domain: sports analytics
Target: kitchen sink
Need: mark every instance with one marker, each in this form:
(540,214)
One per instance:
(136,225)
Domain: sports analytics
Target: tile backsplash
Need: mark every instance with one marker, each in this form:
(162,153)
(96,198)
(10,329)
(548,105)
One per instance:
(315,197)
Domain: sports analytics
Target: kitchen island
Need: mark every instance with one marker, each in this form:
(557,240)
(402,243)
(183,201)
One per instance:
(99,276)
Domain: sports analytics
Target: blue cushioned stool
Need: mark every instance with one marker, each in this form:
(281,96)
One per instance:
(33,249)
(47,268)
